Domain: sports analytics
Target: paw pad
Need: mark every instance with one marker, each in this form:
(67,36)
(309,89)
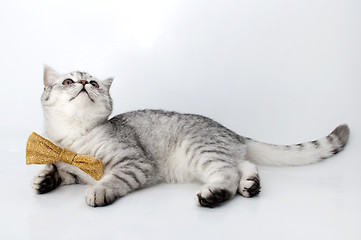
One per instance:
(213,197)
(250,187)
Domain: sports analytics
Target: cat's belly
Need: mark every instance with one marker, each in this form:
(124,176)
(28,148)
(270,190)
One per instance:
(177,168)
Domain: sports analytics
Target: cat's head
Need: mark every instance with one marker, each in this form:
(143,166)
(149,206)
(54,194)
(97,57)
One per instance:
(75,97)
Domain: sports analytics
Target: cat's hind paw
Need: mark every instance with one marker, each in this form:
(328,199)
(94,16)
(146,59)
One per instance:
(212,197)
(250,187)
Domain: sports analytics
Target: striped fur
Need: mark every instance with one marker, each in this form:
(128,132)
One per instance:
(298,154)
(142,148)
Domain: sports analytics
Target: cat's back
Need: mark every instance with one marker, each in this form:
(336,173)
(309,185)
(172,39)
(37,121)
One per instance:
(150,119)
(150,123)
(144,118)
(160,125)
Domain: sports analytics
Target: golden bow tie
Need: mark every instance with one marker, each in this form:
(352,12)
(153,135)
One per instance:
(41,151)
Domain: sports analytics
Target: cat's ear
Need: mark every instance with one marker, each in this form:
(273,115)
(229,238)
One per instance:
(50,75)
(108,82)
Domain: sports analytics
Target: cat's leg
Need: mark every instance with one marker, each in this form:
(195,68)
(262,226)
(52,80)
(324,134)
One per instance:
(220,179)
(249,184)
(47,180)
(53,175)
(122,175)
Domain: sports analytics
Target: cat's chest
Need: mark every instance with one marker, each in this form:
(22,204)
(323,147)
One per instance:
(81,143)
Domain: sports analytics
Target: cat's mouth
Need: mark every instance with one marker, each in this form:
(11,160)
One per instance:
(82,91)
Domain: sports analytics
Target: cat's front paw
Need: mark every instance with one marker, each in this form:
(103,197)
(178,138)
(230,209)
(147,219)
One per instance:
(98,196)
(250,187)
(47,180)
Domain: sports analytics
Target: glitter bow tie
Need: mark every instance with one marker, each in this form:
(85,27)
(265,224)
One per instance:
(41,151)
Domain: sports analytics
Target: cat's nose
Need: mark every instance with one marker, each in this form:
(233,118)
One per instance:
(83,82)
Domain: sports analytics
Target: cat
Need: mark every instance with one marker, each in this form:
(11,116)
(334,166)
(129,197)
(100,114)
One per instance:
(145,147)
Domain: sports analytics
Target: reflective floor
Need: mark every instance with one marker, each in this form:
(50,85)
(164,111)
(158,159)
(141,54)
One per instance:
(310,202)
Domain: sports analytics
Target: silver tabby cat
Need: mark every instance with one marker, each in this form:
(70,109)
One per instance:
(142,148)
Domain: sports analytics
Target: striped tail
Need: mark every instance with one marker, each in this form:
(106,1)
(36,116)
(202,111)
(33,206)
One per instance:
(299,154)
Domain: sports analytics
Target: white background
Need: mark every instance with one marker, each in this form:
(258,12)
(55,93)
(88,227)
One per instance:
(278,71)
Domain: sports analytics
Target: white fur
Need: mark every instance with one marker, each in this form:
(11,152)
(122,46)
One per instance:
(248,171)
(68,119)
(267,154)
(177,167)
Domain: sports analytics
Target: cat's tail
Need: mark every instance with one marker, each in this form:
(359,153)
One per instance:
(298,154)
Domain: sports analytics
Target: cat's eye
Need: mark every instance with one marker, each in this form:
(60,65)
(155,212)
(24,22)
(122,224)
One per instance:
(94,83)
(68,81)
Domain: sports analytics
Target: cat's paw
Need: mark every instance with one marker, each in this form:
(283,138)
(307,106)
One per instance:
(97,196)
(47,180)
(212,196)
(250,186)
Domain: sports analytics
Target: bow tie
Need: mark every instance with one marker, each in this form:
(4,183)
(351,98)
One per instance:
(41,151)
